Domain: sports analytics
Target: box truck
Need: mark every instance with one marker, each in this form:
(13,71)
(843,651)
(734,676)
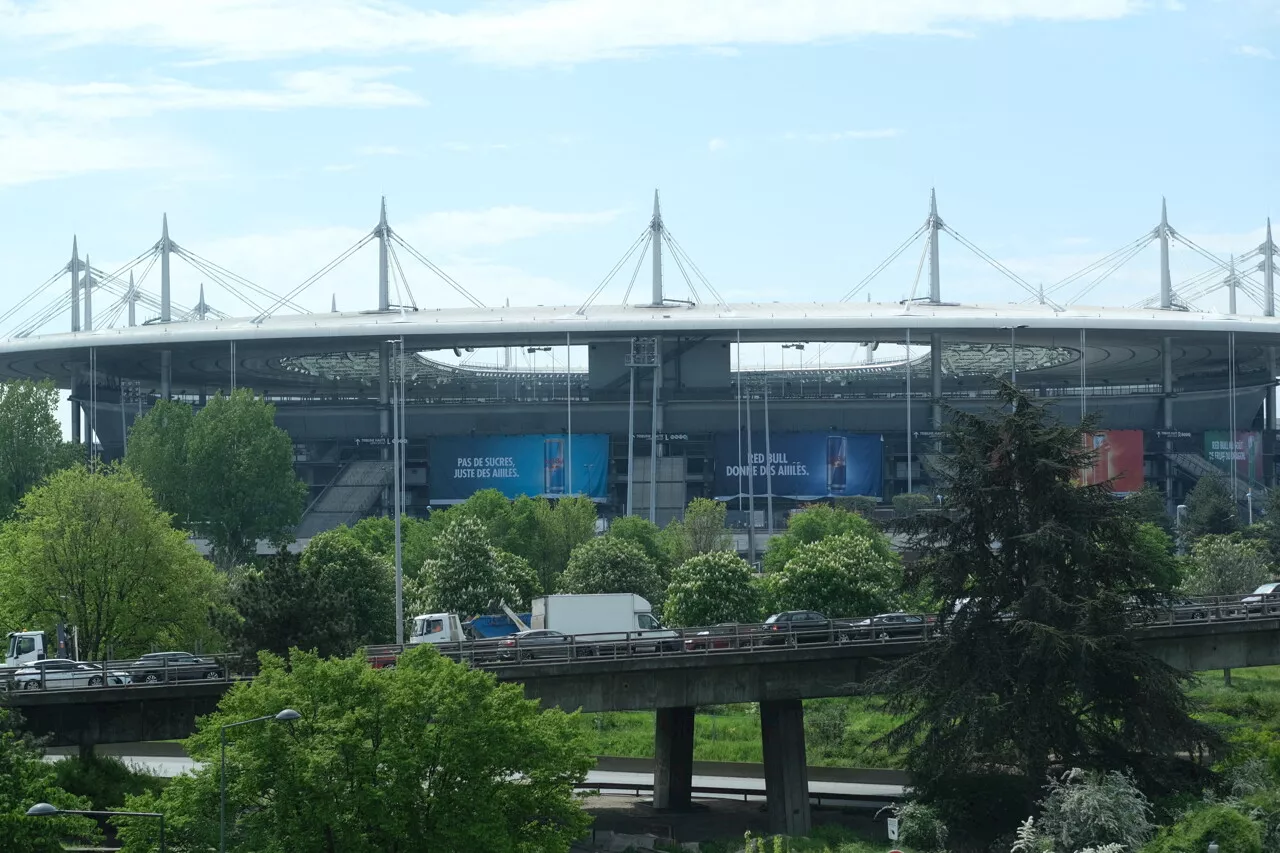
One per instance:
(606,620)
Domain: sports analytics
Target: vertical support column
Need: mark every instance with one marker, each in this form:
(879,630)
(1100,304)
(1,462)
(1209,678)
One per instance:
(935,381)
(166,356)
(384,270)
(673,759)
(74,268)
(631,434)
(935,277)
(1166,384)
(133,302)
(1166,282)
(384,349)
(786,772)
(655,227)
(1269,274)
(1231,286)
(655,428)
(88,294)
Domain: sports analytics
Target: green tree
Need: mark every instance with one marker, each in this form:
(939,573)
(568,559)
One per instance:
(430,755)
(843,575)
(815,523)
(465,576)
(1156,549)
(520,577)
(91,549)
(378,534)
(227,471)
(1038,667)
(1270,524)
(701,531)
(1227,565)
(1148,506)
(709,589)
(656,542)
(29,779)
(357,590)
(31,438)
(546,534)
(158,453)
(1210,509)
(612,565)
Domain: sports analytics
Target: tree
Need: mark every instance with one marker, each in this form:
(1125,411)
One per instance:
(1210,508)
(1148,506)
(815,523)
(1156,551)
(659,545)
(520,577)
(429,755)
(1037,667)
(465,576)
(842,575)
(29,779)
(702,529)
(378,534)
(92,550)
(31,438)
(1226,565)
(227,471)
(709,589)
(546,534)
(612,565)
(157,451)
(333,598)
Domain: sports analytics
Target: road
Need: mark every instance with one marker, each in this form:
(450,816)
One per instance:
(168,760)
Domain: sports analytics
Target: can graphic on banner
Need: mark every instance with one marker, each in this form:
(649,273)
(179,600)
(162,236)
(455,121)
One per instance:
(837,464)
(553,466)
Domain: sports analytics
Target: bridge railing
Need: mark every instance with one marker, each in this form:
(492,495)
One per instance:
(884,630)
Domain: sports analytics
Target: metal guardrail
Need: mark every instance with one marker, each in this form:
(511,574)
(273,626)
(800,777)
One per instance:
(132,672)
(816,798)
(689,643)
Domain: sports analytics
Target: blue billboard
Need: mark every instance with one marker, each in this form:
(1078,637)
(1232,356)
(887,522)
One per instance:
(548,465)
(802,465)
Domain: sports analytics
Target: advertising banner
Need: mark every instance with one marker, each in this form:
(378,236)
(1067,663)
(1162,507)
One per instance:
(1117,457)
(1244,452)
(534,465)
(803,465)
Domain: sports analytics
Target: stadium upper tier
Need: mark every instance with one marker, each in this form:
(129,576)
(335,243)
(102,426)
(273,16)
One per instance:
(336,353)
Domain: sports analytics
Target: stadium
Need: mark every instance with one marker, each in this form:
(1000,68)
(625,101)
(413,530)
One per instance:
(648,404)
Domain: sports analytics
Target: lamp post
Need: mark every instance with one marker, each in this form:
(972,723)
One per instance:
(288,715)
(47,810)
(1013,351)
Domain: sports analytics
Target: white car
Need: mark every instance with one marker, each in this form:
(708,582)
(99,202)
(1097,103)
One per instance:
(57,673)
(1268,594)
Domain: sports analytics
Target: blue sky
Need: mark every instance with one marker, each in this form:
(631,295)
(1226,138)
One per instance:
(518,144)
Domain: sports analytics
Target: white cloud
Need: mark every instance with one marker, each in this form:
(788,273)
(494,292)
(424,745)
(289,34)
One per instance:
(42,152)
(338,167)
(1255,52)
(102,101)
(379,151)
(716,144)
(844,135)
(526,33)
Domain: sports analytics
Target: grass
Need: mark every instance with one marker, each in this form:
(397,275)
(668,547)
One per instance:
(837,733)
(825,839)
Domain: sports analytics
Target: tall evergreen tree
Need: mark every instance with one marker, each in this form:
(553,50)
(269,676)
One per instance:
(1036,667)
(1210,508)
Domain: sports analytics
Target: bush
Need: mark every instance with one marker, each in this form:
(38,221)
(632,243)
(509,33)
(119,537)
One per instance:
(907,504)
(861,504)
(104,779)
(920,827)
(1233,832)
(1084,809)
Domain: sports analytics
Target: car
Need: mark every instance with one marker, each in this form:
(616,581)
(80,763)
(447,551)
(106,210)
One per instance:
(155,667)
(887,626)
(60,673)
(1166,607)
(805,626)
(535,643)
(726,635)
(1265,598)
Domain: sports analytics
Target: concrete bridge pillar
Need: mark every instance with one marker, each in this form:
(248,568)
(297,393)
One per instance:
(673,759)
(786,773)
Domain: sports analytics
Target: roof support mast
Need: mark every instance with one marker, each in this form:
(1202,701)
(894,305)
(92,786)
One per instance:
(384,348)
(656,422)
(935,339)
(1166,282)
(655,226)
(1269,308)
(74,268)
(166,356)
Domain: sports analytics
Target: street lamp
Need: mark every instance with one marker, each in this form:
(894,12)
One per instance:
(1013,351)
(288,715)
(47,810)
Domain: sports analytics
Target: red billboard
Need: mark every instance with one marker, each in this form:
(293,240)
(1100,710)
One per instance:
(1117,458)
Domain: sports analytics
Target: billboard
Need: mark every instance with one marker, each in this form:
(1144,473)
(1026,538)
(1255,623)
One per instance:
(534,465)
(803,465)
(1117,458)
(1245,451)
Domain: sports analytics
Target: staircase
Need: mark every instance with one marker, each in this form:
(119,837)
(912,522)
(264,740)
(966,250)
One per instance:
(353,491)
(1197,466)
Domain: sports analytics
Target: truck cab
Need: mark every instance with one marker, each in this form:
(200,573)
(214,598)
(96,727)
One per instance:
(25,647)
(437,629)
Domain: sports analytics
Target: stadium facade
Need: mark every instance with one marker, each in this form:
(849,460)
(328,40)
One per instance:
(652,410)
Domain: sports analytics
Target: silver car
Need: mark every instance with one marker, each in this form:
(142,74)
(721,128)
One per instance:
(58,674)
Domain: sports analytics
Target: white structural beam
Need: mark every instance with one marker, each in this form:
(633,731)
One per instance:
(656,227)
(1166,281)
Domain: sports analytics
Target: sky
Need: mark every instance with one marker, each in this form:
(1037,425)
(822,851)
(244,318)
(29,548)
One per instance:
(518,144)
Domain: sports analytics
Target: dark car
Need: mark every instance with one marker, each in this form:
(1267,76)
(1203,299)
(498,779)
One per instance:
(888,626)
(157,667)
(1166,608)
(801,626)
(538,643)
(727,635)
